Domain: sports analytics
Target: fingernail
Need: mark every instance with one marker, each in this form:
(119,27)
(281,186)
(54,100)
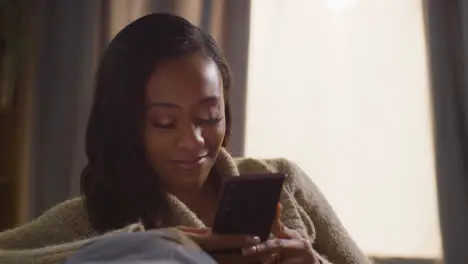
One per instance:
(255,240)
(278,210)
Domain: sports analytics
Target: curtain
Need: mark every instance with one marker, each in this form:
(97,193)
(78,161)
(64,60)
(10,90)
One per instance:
(447,31)
(73,34)
(17,34)
(66,50)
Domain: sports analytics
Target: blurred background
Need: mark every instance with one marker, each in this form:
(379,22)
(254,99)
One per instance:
(369,97)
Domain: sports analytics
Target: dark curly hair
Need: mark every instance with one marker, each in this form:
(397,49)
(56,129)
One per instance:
(118,185)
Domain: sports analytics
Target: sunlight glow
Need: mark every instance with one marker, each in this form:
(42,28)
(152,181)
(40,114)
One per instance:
(340,4)
(346,96)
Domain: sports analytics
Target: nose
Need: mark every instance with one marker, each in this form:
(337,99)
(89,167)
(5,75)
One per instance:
(191,138)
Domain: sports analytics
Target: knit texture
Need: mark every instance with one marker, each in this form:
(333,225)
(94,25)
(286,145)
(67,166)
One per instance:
(62,230)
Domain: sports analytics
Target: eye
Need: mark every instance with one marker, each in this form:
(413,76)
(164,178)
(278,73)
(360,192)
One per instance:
(164,125)
(210,121)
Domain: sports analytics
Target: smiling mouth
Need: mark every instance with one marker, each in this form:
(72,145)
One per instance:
(190,163)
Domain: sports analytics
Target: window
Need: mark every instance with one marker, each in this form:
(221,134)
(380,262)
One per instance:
(341,88)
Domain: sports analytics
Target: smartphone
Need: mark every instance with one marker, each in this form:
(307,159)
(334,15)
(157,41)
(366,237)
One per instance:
(247,205)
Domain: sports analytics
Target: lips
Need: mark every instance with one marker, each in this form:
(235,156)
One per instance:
(190,163)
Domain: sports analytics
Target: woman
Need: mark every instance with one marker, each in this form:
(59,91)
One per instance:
(155,146)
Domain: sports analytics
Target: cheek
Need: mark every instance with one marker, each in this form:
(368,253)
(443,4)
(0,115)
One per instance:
(156,144)
(214,135)
(159,143)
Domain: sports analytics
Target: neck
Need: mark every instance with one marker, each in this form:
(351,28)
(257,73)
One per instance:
(195,195)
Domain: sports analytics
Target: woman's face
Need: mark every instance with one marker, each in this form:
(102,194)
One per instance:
(184,123)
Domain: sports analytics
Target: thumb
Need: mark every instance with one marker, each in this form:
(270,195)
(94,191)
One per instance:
(278,228)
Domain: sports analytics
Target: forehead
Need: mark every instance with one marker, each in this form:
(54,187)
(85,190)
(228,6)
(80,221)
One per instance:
(184,80)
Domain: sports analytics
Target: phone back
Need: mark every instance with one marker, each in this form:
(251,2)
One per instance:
(247,205)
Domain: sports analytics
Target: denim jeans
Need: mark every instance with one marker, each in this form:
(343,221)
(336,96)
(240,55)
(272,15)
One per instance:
(139,248)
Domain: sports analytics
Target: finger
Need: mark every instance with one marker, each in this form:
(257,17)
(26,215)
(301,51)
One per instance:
(279,209)
(217,242)
(279,230)
(277,227)
(281,246)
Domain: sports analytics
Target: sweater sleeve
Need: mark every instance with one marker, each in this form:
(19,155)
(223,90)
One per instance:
(332,239)
(63,223)
(53,254)
(52,237)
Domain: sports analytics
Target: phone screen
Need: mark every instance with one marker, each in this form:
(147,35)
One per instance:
(247,205)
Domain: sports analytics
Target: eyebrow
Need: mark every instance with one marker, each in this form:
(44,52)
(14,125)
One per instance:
(208,99)
(163,105)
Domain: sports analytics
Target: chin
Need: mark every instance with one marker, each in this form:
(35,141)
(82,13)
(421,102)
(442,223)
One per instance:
(189,175)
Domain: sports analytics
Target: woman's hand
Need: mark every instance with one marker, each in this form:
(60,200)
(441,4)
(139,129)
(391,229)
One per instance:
(287,245)
(211,243)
